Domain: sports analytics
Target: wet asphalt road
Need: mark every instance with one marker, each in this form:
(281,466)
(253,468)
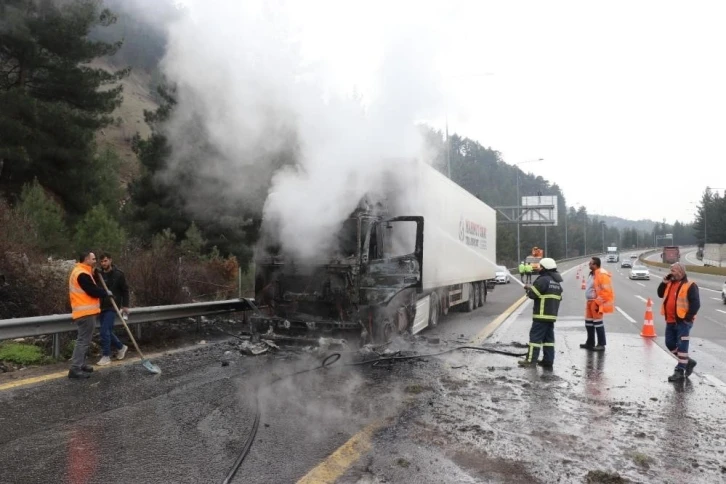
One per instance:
(465,417)
(596,417)
(190,423)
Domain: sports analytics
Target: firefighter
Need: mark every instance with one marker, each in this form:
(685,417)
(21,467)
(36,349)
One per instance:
(547,294)
(521,271)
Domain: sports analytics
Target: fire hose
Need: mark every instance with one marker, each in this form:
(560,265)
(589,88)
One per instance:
(326,362)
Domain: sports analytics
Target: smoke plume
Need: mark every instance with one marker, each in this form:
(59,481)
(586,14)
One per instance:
(271,119)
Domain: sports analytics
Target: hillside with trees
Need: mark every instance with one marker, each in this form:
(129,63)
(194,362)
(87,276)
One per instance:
(83,114)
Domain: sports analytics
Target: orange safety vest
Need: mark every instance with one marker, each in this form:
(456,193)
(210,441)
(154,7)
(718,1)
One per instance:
(682,305)
(604,291)
(81,303)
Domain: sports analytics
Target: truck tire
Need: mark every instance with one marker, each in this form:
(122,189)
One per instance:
(444,303)
(470,301)
(477,295)
(483,291)
(434,309)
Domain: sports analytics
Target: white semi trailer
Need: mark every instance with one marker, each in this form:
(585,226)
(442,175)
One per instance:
(418,247)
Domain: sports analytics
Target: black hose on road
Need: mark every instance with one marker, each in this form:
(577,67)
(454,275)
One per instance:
(326,362)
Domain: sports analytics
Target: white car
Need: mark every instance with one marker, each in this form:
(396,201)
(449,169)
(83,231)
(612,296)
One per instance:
(639,272)
(502,275)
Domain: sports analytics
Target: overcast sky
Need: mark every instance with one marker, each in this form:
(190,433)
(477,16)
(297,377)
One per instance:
(625,101)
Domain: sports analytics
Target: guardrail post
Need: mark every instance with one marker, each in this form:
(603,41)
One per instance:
(56,345)
(239,283)
(137,330)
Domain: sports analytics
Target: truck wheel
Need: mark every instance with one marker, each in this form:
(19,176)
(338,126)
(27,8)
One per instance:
(483,291)
(477,295)
(434,308)
(385,331)
(470,302)
(444,303)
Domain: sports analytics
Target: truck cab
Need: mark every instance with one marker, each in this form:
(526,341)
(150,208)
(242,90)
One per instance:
(612,254)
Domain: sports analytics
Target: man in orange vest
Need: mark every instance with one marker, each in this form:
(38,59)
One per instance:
(681,302)
(600,301)
(85,298)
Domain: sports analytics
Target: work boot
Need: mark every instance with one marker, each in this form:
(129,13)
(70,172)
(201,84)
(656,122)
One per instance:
(678,375)
(545,364)
(689,366)
(586,346)
(526,363)
(104,361)
(79,374)
(87,368)
(121,354)
(598,348)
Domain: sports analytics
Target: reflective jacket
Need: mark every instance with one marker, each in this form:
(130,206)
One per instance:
(521,268)
(688,299)
(604,295)
(547,294)
(82,303)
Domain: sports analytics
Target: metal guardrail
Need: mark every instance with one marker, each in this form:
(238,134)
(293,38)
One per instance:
(61,323)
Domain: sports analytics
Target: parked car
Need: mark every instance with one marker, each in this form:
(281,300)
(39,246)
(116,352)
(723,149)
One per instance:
(502,275)
(723,292)
(639,272)
(626,263)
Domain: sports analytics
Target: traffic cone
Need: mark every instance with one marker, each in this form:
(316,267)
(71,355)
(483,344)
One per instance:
(583,284)
(648,330)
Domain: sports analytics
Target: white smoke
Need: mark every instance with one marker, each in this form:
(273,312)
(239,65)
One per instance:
(262,84)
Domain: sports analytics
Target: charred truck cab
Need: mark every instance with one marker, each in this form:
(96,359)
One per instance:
(388,274)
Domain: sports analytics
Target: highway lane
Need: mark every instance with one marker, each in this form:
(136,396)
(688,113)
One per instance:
(708,338)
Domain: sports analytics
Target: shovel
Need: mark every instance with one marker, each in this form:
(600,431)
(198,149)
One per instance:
(150,367)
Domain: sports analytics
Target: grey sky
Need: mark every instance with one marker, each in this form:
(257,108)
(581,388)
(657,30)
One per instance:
(624,100)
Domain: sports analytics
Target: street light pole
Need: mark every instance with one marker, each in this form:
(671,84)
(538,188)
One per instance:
(519,203)
(602,226)
(566,231)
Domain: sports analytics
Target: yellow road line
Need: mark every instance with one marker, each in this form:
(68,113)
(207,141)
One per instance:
(61,374)
(491,327)
(337,463)
(340,461)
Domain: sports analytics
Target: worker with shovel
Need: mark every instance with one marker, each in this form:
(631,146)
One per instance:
(85,298)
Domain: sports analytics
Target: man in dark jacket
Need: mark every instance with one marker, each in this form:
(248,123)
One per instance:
(116,283)
(547,294)
(681,302)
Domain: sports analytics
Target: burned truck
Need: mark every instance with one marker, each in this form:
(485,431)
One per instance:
(404,258)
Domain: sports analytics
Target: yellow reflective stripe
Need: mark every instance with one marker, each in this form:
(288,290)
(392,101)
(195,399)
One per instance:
(534,290)
(87,306)
(548,344)
(546,316)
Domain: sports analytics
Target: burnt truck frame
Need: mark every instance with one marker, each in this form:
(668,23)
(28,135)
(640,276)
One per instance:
(374,284)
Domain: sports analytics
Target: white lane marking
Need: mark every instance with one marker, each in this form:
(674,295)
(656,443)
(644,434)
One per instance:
(640,284)
(641,298)
(716,299)
(721,311)
(625,315)
(707,289)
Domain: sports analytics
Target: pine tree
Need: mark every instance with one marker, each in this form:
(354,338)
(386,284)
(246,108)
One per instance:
(52,100)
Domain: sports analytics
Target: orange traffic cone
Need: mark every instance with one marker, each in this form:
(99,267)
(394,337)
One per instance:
(648,330)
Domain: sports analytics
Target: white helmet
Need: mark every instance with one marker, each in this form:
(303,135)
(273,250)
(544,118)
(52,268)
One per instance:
(548,264)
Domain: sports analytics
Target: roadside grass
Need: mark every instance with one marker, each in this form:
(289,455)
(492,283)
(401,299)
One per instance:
(23,354)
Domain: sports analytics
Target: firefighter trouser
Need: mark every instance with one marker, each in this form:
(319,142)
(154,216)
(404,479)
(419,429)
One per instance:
(542,336)
(594,324)
(677,337)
